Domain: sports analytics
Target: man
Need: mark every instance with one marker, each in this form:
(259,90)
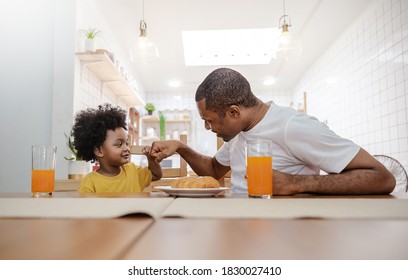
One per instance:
(302,146)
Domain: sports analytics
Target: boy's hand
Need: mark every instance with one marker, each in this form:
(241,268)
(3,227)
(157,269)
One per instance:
(146,151)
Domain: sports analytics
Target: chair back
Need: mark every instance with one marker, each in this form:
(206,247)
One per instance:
(397,170)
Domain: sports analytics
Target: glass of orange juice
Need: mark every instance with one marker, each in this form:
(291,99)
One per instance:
(259,168)
(43,170)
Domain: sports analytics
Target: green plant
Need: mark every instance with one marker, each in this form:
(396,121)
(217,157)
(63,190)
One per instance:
(150,107)
(91,33)
(70,144)
(162,126)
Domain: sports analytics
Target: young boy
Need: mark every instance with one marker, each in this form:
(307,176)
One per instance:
(101,135)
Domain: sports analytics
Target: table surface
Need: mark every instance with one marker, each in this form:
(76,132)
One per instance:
(142,237)
(272,239)
(69,239)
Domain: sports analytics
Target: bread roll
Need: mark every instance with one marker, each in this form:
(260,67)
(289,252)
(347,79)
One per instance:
(193,182)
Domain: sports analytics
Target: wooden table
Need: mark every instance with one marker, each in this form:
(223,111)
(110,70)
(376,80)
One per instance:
(141,237)
(67,239)
(272,239)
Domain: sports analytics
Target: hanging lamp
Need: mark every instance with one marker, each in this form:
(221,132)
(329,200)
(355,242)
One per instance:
(288,45)
(144,50)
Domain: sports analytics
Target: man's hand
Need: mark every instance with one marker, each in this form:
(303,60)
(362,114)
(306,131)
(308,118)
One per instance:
(146,152)
(163,149)
(283,184)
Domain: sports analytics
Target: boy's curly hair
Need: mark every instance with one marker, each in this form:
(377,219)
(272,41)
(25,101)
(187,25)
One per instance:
(91,126)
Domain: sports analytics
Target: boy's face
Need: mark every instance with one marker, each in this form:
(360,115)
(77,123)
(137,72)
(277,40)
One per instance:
(115,150)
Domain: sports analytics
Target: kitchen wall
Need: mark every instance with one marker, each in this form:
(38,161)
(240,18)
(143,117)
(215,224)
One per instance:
(36,83)
(360,85)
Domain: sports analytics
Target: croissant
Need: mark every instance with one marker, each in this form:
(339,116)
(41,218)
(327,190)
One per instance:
(193,182)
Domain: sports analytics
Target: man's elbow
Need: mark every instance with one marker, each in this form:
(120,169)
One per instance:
(389,182)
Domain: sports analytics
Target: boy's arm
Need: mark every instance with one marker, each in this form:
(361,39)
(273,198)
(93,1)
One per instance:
(153,165)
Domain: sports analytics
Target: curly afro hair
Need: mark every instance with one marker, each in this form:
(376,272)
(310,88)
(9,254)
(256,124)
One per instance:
(91,126)
(225,87)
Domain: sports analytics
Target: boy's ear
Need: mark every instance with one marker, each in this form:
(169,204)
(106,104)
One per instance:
(98,152)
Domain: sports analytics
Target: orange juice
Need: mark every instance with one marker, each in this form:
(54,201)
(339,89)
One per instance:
(42,181)
(259,175)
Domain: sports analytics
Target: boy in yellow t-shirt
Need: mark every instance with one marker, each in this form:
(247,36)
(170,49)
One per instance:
(101,135)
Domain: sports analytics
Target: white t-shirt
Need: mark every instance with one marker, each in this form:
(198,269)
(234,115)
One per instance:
(300,145)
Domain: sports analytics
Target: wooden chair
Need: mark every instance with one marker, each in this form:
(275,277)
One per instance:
(169,174)
(225,181)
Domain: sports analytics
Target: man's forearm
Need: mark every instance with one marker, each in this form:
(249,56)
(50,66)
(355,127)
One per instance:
(201,164)
(353,182)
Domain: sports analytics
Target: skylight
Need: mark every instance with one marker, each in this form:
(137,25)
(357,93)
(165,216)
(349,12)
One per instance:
(229,47)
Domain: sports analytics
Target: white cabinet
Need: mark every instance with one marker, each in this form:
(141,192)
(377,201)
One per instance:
(177,122)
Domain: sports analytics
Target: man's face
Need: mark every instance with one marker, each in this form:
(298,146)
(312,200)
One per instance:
(226,128)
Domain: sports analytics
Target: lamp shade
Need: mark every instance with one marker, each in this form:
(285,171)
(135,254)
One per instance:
(288,45)
(144,50)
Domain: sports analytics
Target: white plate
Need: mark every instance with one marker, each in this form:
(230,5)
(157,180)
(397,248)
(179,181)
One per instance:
(190,192)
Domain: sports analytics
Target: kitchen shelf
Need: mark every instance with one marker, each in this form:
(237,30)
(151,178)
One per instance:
(151,119)
(150,138)
(177,122)
(102,66)
(155,119)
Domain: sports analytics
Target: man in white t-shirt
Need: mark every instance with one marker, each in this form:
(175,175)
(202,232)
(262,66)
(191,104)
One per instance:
(302,146)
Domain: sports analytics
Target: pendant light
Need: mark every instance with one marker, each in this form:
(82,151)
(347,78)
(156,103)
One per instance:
(288,45)
(145,50)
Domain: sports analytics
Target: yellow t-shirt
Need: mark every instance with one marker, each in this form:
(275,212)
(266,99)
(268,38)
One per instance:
(131,178)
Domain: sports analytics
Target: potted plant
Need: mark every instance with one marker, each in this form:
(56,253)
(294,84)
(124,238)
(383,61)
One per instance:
(71,147)
(150,108)
(91,34)
(77,167)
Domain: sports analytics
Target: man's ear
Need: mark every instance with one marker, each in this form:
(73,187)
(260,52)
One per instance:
(98,152)
(233,111)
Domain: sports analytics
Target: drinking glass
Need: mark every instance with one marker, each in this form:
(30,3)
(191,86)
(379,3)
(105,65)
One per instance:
(259,168)
(43,170)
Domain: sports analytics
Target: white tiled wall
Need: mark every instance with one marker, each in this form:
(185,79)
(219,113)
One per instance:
(92,92)
(360,85)
(279,97)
